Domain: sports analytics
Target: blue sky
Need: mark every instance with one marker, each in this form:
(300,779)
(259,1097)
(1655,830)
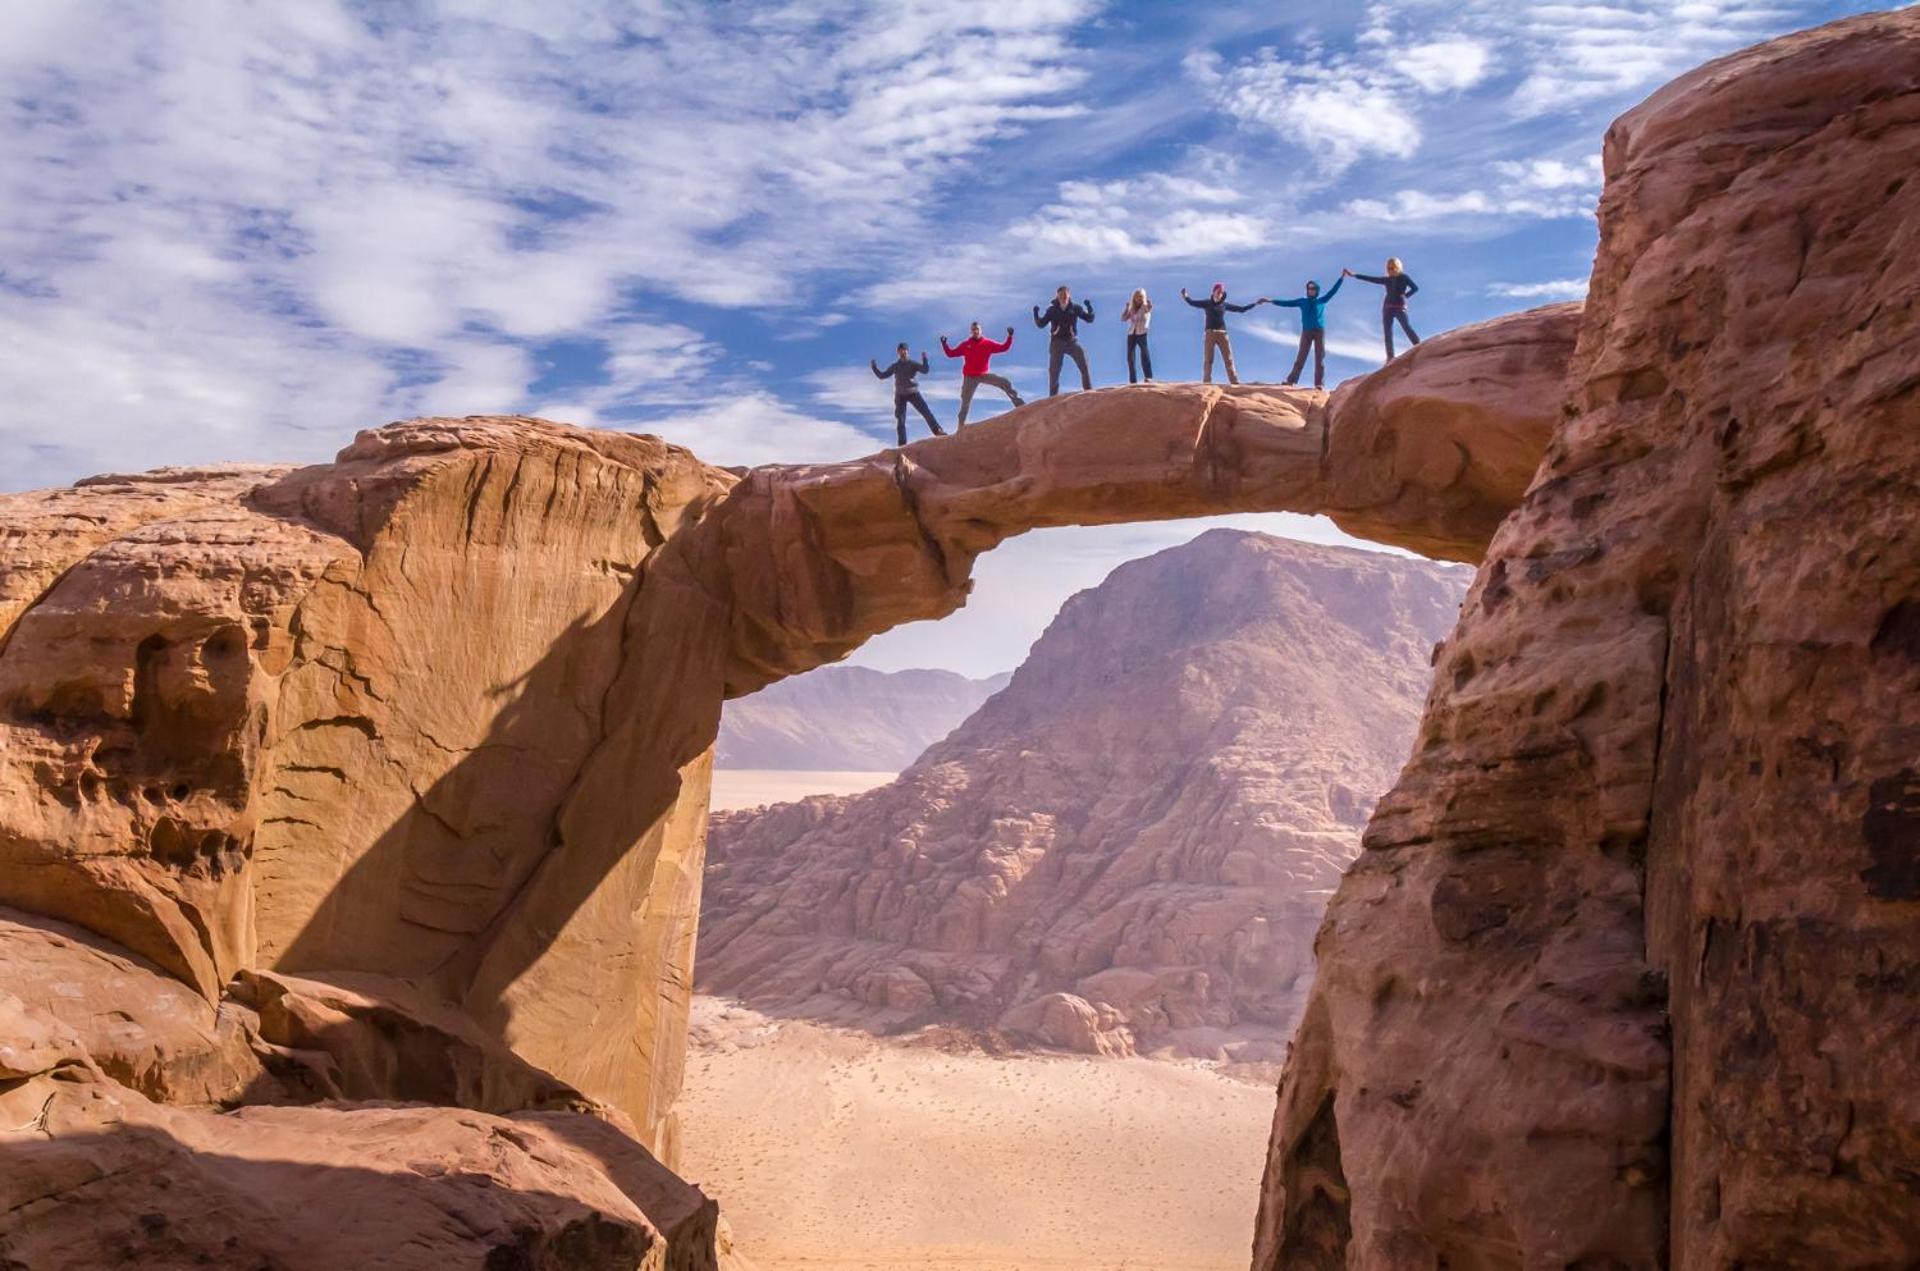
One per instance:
(242,232)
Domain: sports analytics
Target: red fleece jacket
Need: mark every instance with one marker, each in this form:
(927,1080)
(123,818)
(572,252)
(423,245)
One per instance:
(978,351)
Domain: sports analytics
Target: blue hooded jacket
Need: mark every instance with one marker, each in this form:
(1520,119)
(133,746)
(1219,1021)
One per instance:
(1313,309)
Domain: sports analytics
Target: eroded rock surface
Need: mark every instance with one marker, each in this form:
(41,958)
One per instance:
(386,779)
(1625,976)
(1128,849)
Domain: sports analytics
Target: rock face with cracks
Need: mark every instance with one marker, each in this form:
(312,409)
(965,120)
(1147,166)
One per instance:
(385,780)
(1625,975)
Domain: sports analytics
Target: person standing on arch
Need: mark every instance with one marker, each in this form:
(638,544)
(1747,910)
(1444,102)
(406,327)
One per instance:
(976,353)
(906,392)
(1065,318)
(1399,284)
(1216,337)
(1313,330)
(1138,315)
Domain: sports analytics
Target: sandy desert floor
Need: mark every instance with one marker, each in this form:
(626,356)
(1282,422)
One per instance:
(752,787)
(835,1151)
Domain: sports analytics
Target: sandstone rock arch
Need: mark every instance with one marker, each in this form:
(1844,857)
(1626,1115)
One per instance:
(429,725)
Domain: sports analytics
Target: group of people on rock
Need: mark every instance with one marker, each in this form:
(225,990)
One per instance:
(1062,319)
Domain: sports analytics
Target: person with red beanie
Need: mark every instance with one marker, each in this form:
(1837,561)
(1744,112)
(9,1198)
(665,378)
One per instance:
(1216,338)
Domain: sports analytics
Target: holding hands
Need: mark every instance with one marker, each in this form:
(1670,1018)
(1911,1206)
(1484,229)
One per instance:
(1346,273)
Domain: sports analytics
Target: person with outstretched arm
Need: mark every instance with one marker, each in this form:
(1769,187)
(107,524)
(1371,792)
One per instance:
(1216,337)
(1399,284)
(976,353)
(906,392)
(1065,318)
(1138,315)
(1313,330)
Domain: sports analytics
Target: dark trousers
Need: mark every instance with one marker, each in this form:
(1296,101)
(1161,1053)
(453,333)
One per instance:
(1315,339)
(919,403)
(1146,357)
(1386,327)
(1058,349)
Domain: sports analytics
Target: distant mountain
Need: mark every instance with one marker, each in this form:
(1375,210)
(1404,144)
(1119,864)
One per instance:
(848,718)
(1127,848)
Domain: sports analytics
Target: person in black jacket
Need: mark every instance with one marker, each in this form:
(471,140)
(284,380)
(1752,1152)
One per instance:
(905,391)
(1065,318)
(1399,285)
(1216,337)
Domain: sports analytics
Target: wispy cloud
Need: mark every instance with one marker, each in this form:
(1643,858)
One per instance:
(1552,289)
(279,222)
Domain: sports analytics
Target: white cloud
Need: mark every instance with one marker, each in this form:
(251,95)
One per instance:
(1553,174)
(1578,54)
(1424,207)
(1448,65)
(1339,113)
(755,427)
(1553,289)
(278,223)
(854,388)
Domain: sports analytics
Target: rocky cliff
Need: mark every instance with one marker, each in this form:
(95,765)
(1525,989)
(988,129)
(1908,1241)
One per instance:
(1626,974)
(850,718)
(1128,848)
(386,780)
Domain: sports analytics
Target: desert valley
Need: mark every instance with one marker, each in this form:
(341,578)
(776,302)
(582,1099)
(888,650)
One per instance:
(1537,889)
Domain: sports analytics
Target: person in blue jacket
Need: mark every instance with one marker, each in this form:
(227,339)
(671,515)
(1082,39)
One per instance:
(1313,331)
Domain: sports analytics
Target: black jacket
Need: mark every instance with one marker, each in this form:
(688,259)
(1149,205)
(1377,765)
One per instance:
(1399,287)
(1217,310)
(902,372)
(1065,320)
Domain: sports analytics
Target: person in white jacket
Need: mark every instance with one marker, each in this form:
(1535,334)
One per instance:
(1138,315)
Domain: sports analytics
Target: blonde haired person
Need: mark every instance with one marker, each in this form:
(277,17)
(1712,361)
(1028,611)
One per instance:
(1138,315)
(1399,285)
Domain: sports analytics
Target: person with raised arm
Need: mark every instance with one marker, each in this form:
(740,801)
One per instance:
(1399,284)
(906,392)
(1216,337)
(976,353)
(1313,330)
(1065,318)
(1138,315)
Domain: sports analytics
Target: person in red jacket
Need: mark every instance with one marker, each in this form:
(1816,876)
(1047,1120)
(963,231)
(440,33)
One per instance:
(977,351)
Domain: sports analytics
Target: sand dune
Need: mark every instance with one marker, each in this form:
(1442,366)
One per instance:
(834,1150)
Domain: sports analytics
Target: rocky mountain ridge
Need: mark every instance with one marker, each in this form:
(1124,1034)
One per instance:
(850,718)
(1130,846)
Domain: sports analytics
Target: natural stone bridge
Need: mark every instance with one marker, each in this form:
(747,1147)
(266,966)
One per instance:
(428,727)
(386,779)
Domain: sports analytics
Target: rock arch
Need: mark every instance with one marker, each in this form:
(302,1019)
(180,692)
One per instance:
(460,685)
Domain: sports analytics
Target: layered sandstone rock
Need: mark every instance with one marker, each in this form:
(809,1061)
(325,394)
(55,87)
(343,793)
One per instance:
(1626,975)
(389,776)
(1130,846)
(115,1153)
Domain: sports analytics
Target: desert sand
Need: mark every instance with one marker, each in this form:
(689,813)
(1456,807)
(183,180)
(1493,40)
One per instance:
(736,788)
(836,1151)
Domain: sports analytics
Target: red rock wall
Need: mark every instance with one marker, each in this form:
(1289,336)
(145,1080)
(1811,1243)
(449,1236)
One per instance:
(1626,974)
